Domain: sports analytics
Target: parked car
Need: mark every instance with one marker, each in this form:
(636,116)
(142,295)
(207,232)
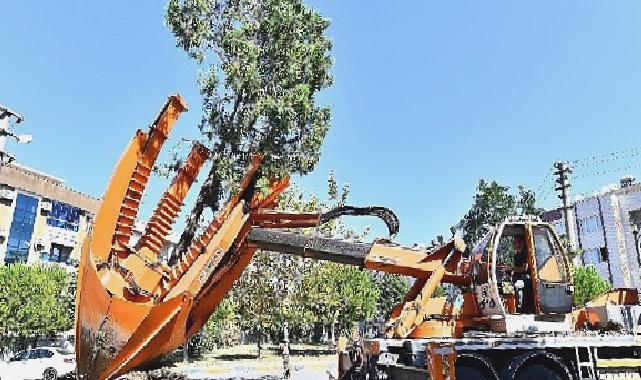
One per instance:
(47,363)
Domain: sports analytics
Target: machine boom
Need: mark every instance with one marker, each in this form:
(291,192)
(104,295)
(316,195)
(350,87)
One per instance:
(315,247)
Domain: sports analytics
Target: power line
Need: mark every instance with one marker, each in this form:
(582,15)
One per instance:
(606,157)
(607,171)
(545,187)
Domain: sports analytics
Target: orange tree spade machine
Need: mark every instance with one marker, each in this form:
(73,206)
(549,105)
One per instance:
(508,311)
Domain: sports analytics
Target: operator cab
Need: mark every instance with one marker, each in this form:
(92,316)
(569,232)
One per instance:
(520,269)
(513,271)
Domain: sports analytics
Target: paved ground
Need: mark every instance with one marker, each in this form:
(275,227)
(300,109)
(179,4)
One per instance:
(302,368)
(241,363)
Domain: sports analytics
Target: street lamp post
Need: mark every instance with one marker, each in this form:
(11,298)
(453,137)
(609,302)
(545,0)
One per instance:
(5,130)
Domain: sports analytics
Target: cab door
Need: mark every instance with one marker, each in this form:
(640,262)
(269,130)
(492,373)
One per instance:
(552,279)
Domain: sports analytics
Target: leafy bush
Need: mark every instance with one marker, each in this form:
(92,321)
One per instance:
(588,284)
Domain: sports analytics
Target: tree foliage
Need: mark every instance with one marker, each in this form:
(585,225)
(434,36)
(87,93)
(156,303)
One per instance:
(492,204)
(35,300)
(222,328)
(262,64)
(340,295)
(393,289)
(588,284)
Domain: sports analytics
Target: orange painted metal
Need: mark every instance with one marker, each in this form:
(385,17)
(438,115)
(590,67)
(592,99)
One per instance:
(131,307)
(582,316)
(430,270)
(413,312)
(114,309)
(160,223)
(440,357)
(414,263)
(278,219)
(534,275)
(415,289)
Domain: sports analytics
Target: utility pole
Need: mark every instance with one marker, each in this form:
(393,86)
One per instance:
(562,170)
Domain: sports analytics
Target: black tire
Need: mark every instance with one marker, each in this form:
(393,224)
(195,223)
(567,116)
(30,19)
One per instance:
(469,373)
(50,374)
(538,372)
(473,367)
(537,366)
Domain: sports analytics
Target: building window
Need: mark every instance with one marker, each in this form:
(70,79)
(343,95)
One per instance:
(64,215)
(57,254)
(21,229)
(592,256)
(590,224)
(559,227)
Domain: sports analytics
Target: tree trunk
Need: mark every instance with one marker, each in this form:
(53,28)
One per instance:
(332,331)
(260,344)
(286,370)
(186,351)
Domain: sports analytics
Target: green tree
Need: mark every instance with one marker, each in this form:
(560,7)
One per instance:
(257,297)
(359,295)
(222,327)
(526,202)
(588,284)
(34,301)
(492,204)
(263,62)
(339,295)
(392,289)
(269,291)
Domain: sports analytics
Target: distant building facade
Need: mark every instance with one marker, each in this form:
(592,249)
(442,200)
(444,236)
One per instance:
(169,245)
(605,233)
(41,219)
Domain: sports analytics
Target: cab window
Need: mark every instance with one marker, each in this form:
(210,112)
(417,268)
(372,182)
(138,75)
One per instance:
(505,251)
(479,258)
(548,255)
(509,253)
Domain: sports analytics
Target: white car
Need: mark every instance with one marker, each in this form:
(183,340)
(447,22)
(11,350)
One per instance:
(47,363)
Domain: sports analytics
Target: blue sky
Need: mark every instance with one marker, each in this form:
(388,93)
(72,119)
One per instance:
(429,96)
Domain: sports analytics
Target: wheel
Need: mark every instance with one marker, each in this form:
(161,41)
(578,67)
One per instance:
(469,373)
(50,374)
(538,372)
(473,367)
(537,366)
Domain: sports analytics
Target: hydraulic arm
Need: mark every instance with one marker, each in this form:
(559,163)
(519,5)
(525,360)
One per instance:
(430,268)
